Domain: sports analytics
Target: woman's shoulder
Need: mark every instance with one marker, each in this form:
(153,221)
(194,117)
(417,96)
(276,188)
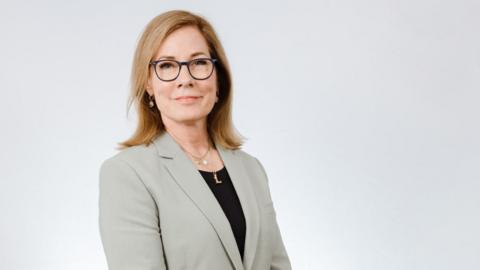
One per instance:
(126,167)
(246,157)
(131,155)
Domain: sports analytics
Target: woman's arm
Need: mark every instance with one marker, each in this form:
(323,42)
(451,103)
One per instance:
(128,219)
(280,260)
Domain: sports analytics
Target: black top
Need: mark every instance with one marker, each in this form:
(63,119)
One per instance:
(228,200)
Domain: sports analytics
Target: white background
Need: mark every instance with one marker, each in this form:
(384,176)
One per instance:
(365,115)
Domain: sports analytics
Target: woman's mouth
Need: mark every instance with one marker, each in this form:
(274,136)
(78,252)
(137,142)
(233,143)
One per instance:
(187,99)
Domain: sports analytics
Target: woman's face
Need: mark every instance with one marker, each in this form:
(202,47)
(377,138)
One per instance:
(183,44)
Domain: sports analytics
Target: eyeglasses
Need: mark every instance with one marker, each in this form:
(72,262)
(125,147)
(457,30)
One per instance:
(199,69)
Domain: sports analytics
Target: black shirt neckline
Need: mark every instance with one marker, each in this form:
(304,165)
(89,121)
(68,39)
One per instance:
(223,168)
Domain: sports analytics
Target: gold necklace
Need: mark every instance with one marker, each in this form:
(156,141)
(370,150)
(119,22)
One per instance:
(216,178)
(201,160)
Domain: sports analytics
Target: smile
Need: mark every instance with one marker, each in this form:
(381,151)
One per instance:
(187,99)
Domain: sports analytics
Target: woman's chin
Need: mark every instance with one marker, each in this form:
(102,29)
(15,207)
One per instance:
(190,119)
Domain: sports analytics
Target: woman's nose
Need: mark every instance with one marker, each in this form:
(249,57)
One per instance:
(184,78)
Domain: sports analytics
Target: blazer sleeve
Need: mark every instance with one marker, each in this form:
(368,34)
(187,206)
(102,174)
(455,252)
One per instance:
(280,260)
(128,219)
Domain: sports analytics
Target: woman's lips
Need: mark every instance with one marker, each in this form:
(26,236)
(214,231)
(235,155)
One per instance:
(187,99)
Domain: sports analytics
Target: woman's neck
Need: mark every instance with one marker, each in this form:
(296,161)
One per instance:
(191,137)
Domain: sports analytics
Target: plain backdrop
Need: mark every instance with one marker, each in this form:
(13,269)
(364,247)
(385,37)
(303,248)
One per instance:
(365,115)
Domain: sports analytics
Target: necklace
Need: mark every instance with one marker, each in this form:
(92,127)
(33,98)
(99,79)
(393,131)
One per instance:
(216,178)
(202,160)
(199,160)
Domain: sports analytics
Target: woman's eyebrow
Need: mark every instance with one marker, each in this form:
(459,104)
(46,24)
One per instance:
(197,53)
(173,57)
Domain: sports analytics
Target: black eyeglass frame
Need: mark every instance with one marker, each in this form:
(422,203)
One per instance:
(180,64)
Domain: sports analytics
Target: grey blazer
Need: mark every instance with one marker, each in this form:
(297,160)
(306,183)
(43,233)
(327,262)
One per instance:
(156,212)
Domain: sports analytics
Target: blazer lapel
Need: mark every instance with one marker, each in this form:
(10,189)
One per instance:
(245,193)
(190,180)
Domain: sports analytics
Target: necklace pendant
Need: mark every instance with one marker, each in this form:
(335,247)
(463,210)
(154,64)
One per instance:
(216,178)
(204,162)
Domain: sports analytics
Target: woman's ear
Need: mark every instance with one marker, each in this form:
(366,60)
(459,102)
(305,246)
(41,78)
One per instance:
(149,91)
(148,87)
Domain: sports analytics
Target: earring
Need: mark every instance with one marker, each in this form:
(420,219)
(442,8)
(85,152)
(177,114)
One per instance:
(151,104)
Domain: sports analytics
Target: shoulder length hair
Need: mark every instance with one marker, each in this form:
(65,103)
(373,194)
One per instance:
(219,121)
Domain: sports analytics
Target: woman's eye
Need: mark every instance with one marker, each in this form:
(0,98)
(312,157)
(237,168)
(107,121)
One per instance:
(200,62)
(165,65)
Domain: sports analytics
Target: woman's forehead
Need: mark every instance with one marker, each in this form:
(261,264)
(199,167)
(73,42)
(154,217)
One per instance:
(183,42)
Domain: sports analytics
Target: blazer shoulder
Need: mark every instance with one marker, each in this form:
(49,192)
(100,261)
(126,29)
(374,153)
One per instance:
(243,154)
(131,155)
(125,168)
(249,159)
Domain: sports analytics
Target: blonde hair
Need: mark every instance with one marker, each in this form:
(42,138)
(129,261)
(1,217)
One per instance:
(219,121)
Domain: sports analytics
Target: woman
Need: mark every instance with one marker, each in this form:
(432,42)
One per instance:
(182,194)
